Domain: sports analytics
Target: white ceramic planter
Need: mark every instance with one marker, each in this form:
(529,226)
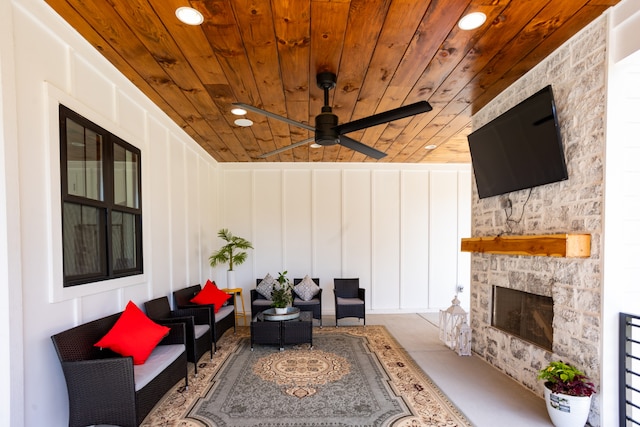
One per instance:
(281,310)
(231,279)
(567,411)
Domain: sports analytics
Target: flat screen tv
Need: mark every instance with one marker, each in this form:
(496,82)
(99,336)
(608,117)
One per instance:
(519,149)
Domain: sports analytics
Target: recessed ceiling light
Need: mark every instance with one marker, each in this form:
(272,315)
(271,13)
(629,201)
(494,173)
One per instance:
(243,122)
(238,111)
(472,21)
(189,15)
(431,147)
(315,145)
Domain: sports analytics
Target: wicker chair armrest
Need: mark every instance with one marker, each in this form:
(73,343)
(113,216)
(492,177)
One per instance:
(201,315)
(177,334)
(361,293)
(96,386)
(110,378)
(208,307)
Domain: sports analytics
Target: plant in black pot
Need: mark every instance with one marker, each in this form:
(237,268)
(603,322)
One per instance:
(567,394)
(281,294)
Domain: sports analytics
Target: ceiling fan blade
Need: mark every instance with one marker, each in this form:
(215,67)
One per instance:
(273,115)
(387,116)
(360,147)
(288,147)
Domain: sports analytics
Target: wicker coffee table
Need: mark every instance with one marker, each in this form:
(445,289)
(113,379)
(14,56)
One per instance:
(269,328)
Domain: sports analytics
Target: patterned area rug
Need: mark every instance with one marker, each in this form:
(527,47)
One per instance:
(353,376)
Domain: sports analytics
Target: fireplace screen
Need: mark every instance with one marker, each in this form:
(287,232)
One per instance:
(524,315)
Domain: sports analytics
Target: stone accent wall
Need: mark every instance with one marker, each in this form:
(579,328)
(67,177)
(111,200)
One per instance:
(576,72)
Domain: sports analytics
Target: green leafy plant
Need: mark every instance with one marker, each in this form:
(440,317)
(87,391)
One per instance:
(563,378)
(281,294)
(234,252)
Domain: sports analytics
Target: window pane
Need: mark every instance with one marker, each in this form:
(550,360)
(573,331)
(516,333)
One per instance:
(123,234)
(125,177)
(82,241)
(84,162)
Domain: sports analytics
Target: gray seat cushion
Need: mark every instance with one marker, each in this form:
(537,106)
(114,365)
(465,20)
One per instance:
(200,330)
(349,301)
(224,312)
(161,357)
(263,302)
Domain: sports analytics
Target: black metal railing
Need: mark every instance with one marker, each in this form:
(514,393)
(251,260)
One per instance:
(629,370)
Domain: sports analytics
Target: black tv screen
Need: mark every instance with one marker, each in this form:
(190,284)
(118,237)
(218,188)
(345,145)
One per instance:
(519,149)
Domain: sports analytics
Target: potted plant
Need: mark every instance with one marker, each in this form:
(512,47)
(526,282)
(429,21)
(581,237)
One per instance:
(567,392)
(234,253)
(281,294)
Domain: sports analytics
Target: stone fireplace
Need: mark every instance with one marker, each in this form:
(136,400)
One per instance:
(577,73)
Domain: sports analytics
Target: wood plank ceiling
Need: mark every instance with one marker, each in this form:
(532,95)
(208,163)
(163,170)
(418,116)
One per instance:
(386,54)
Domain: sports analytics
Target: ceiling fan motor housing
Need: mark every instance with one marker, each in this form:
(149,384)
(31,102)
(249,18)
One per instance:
(325,129)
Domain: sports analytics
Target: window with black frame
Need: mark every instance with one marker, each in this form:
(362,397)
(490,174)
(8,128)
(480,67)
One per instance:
(101,208)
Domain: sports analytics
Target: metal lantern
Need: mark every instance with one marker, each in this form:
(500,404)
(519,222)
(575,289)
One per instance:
(464,339)
(450,321)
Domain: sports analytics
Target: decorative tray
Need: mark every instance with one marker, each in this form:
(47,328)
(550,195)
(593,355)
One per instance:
(270,314)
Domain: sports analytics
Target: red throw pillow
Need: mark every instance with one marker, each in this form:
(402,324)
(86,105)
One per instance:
(133,334)
(210,294)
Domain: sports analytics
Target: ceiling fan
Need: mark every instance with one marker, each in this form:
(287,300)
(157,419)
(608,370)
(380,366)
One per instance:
(329,132)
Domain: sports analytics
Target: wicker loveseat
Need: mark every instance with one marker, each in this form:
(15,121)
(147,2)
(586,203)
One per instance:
(106,388)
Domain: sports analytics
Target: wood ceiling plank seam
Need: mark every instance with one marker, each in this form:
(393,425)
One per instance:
(400,24)
(292,29)
(550,44)
(163,49)
(328,28)
(425,127)
(159,83)
(147,25)
(364,24)
(431,33)
(541,27)
(255,23)
(192,44)
(391,141)
(460,51)
(407,17)
(503,31)
(191,41)
(223,36)
(458,122)
(428,134)
(396,148)
(520,13)
(422,45)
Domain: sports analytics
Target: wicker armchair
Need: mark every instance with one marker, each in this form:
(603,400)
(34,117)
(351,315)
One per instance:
(100,383)
(224,319)
(349,299)
(258,302)
(196,320)
(314,305)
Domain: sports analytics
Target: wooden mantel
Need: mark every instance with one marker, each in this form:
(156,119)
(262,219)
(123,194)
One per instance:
(558,245)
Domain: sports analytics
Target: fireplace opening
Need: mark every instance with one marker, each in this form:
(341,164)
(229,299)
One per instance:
(524,315)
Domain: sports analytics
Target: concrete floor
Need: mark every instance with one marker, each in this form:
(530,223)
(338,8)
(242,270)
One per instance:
(487,397)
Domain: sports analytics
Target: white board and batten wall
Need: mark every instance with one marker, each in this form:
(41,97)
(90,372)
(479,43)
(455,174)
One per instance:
(395,227)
